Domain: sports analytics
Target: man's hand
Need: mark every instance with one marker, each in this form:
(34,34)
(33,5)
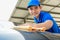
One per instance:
(30,27)
(34,27)
(43,29)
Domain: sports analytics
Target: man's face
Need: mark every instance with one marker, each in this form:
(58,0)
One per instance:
(34,10)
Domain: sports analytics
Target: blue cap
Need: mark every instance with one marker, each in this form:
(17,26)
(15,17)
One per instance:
(33,3)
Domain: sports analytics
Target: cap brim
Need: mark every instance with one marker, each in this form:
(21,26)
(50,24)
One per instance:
(32,5)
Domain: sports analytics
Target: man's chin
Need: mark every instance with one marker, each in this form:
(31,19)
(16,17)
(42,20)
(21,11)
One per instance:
(34,15)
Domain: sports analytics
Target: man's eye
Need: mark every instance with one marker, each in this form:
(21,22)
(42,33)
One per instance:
(36,7)
(31,9)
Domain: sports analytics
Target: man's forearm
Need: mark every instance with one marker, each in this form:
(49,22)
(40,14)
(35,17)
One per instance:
(48,24)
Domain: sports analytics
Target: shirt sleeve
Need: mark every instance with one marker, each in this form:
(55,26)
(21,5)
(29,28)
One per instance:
(47,16)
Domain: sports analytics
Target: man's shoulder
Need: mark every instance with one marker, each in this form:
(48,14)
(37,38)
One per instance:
(44,12)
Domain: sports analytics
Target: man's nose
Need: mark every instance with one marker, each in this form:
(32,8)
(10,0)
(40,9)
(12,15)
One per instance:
(34,11)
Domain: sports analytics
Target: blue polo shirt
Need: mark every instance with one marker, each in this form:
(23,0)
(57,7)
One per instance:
(44,16)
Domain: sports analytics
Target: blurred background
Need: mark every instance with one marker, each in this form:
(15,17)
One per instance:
(20,14)
(15,12)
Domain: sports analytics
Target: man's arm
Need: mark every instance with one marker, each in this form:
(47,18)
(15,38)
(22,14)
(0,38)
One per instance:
(40,26)
(47,24)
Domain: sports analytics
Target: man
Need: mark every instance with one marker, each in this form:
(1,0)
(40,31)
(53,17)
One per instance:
(41,18)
